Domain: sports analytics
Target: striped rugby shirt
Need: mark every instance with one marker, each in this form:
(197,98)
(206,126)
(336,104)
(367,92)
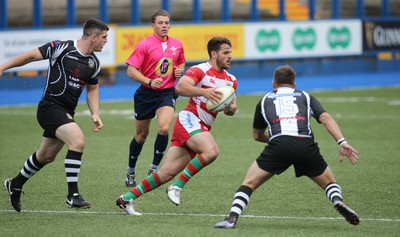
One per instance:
(69,71)
(287,111)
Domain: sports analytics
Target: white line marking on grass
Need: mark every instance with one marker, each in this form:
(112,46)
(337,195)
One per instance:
(351,99)
(394,102)
(335,115)
(198,215)
(129,114)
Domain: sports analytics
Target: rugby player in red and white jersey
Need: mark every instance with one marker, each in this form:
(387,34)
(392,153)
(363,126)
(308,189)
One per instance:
(193,147)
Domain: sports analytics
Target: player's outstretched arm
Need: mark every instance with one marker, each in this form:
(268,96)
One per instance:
(344,148)
(21,60)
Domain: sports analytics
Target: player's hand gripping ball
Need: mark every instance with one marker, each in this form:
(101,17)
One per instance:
(227,95)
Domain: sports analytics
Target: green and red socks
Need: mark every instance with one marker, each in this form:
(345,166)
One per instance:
(148,184)
(195,165)
(153,181)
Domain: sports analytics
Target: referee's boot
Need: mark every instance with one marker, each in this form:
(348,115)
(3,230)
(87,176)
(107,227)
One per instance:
(130,180)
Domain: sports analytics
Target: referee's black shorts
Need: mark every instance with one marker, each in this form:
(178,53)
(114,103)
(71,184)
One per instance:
(51,116)
(147,101)
(284,151)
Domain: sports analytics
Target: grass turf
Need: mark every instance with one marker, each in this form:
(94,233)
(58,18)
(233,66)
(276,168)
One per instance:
(284,206)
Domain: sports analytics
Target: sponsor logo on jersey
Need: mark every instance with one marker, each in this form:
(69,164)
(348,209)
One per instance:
(189,120)
(212,80)
(69,116)
(55,43)
(173,49)
(91,63)
(164,67)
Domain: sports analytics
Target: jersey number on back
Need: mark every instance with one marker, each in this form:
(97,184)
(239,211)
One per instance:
(285,106)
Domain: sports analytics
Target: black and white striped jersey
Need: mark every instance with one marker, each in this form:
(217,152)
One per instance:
(69,71)
(287,111)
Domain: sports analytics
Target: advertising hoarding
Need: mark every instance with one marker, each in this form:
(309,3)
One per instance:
(13,43)
(193,37)
(266,40)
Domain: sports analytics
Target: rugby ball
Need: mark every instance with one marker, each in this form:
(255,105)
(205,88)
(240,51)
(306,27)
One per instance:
(227,95)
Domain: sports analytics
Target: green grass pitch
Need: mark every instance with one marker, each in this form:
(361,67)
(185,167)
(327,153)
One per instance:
(284,206)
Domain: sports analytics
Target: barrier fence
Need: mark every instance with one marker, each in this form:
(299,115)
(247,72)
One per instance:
(368,42)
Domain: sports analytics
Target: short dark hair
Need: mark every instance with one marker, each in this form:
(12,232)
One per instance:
(159,12)
(94,26)
(214,44)
(284,75)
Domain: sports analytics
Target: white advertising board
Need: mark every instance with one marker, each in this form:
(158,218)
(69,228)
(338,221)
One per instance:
(13,43)
(302,39)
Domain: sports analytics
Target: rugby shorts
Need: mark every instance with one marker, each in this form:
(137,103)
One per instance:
(51,116)
(301,152)
(187,125)
(147,101)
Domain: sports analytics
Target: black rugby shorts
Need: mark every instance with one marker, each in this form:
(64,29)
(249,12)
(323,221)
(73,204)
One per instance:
(147,101)
(284,151)
(51,116)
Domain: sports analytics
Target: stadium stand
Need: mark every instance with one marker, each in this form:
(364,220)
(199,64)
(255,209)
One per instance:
(295,9)
(55,14)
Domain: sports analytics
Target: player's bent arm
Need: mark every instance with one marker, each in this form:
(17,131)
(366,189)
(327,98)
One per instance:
(92,100)
(182,66)
(21,60)
(136,75)
(178,71)
(260,135)
(331,125)
(186,87)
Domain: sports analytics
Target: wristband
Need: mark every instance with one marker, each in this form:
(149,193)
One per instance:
(341,141)
(150,82)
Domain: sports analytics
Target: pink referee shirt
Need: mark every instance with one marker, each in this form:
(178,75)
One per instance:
(156,58)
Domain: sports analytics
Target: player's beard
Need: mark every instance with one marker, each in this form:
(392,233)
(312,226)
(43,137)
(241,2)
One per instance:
(222,65)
